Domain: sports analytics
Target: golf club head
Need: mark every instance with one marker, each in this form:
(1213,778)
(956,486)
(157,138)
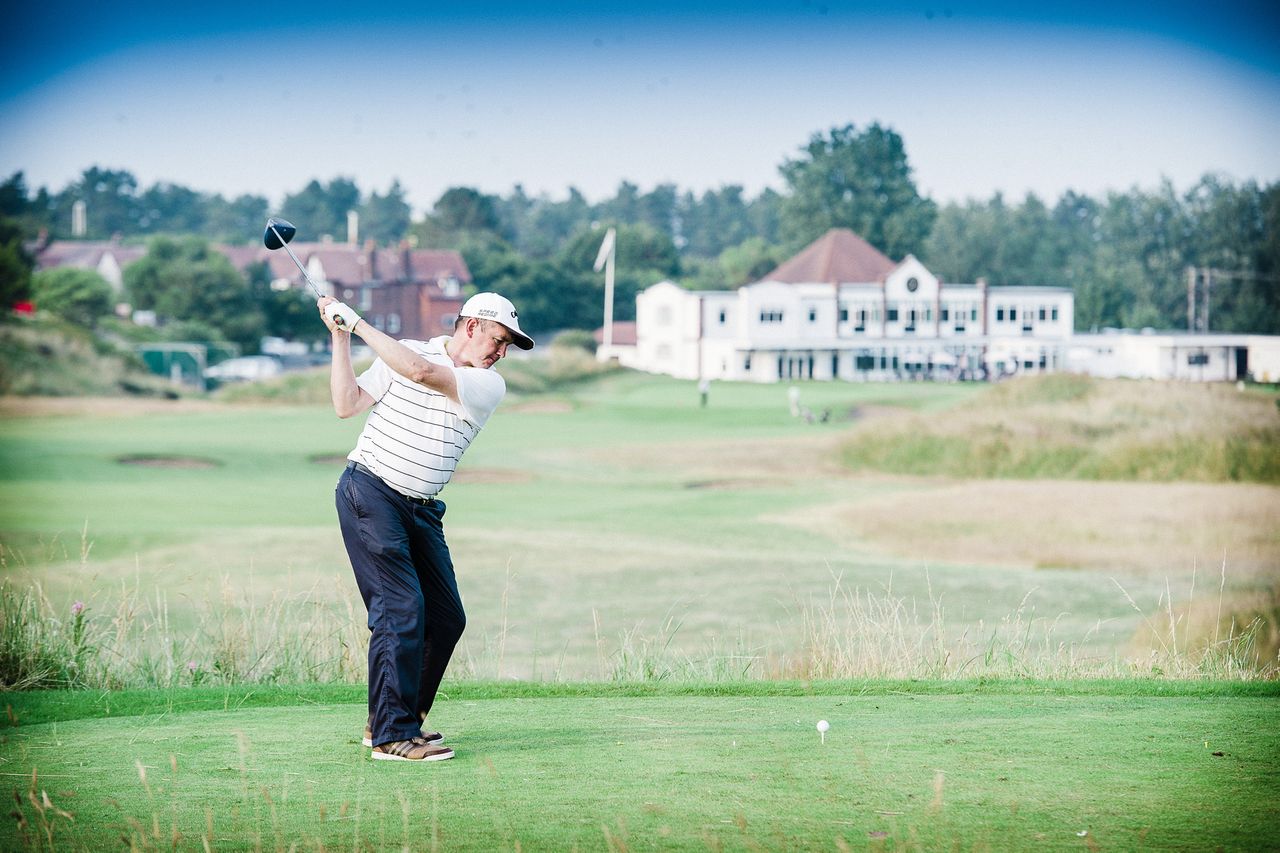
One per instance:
(279,232)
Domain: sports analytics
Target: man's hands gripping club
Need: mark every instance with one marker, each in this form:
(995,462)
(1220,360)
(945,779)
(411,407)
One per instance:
(346,394)
(338,316)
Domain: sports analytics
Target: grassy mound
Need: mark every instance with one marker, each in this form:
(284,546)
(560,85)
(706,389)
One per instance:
(562,366)
(1075,427)
(45,357)
(302,388)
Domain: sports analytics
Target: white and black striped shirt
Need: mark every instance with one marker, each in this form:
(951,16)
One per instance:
(414,436)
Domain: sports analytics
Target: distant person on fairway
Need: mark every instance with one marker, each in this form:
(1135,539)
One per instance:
(429,399)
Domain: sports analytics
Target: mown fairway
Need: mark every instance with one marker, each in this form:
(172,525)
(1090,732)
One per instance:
(1118,766)
(618,528)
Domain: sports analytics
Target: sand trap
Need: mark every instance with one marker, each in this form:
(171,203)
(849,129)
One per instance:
(156,461)
(729,485)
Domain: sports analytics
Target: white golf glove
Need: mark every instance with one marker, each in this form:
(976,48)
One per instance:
(342,315)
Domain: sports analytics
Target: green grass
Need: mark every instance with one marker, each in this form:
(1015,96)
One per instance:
(611,529)
(999,767)
(662,601)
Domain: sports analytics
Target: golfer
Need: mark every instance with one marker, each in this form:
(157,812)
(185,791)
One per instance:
(429,399)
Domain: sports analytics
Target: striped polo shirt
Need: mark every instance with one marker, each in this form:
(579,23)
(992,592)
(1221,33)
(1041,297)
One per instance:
(414,436)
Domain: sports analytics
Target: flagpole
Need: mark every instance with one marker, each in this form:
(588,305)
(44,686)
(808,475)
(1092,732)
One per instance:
(608,249)
(608,303)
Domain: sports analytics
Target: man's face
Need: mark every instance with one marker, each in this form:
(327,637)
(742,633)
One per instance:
(487,342)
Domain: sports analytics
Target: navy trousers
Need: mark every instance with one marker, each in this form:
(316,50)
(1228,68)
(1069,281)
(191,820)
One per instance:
(405,575)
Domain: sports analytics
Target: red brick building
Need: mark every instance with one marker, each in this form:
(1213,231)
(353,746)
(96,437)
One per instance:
(405,292)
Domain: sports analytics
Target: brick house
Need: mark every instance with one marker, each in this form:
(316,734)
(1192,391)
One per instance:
(405,292)
(107,258)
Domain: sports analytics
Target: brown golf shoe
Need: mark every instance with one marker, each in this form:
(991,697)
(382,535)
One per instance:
(429,737)
(414,749)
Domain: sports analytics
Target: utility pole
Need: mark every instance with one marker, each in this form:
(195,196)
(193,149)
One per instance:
(1200,281)
(1191,299)
(1208,287)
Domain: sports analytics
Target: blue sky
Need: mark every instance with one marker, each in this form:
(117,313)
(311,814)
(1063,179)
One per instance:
(260,98)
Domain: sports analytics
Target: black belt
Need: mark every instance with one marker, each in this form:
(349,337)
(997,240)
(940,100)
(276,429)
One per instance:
(356,466)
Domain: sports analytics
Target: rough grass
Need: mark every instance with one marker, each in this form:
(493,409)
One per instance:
(128,641)
(47,357)
(1154,529)
(618,530)
(559,367)
(1073,427)
(302,388)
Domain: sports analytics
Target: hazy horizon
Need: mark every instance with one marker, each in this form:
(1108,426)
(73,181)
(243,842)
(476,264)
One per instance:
(988,97)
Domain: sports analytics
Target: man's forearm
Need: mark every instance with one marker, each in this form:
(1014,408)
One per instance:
(343,389)
(406,362)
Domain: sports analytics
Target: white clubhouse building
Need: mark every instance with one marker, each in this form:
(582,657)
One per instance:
(840,309)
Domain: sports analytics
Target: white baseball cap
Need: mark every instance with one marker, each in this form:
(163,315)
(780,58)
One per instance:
(491,306)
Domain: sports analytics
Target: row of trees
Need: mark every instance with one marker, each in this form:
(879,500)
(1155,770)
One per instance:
(116,208)
(1125,255)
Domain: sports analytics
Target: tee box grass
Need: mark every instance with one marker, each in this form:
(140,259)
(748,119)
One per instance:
(1017,766)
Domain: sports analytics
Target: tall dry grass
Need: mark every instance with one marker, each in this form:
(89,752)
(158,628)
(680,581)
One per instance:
(1075,427)
(1132,529)
(127,639)
(851,634)
(859,633)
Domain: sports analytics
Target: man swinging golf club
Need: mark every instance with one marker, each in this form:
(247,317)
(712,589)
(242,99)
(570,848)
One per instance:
(427,401)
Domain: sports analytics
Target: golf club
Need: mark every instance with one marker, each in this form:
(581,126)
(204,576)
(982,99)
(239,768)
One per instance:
(277,235)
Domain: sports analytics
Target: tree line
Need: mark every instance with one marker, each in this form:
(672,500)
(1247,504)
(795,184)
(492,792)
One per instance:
(1125,255)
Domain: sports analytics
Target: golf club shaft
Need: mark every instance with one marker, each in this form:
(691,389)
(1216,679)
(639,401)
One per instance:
(301,268)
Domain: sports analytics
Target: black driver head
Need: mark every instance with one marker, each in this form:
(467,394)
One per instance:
(279,232)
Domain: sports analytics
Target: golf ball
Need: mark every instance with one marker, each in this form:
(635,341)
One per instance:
(823,725)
